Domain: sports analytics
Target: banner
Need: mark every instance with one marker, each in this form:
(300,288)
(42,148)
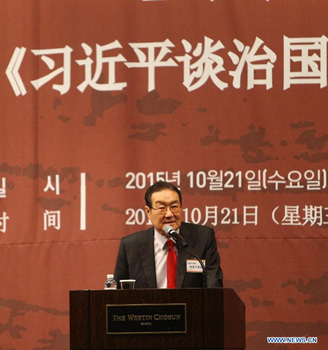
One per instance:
(226,99)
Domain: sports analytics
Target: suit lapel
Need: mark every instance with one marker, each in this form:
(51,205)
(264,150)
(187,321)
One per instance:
(183,255)
(147,257)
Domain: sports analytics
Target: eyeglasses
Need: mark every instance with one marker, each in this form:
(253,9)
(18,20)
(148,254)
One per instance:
(174,208)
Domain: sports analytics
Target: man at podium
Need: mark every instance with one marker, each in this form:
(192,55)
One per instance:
(152,257)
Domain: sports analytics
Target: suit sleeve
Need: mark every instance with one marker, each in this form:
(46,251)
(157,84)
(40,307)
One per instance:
(121,267)
(213,262)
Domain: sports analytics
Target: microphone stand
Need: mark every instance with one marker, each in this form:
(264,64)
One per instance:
(183,245)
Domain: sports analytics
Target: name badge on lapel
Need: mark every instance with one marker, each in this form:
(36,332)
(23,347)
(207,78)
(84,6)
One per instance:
(194,266)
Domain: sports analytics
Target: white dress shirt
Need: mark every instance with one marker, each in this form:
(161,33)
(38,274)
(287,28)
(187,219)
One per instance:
(161,250)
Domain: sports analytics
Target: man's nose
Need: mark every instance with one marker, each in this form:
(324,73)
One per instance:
(168,212)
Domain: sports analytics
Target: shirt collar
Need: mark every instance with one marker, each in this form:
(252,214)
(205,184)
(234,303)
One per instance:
(160,239)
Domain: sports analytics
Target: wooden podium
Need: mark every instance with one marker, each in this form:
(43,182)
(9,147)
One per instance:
(211,318)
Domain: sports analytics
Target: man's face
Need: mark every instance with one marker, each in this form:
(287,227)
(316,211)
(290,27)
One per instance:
(165,199)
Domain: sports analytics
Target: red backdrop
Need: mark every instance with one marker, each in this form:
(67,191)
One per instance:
(226,99)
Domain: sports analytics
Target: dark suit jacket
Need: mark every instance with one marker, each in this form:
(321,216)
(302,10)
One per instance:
(135,259)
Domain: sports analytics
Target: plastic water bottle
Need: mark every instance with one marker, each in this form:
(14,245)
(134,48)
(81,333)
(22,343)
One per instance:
(110,283)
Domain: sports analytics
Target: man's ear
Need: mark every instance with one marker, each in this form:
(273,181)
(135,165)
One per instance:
(147,211)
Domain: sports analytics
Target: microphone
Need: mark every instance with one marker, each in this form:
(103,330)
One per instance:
(179,240)
(181,243)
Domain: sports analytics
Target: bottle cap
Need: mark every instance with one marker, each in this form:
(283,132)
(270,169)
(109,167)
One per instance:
(110,276)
